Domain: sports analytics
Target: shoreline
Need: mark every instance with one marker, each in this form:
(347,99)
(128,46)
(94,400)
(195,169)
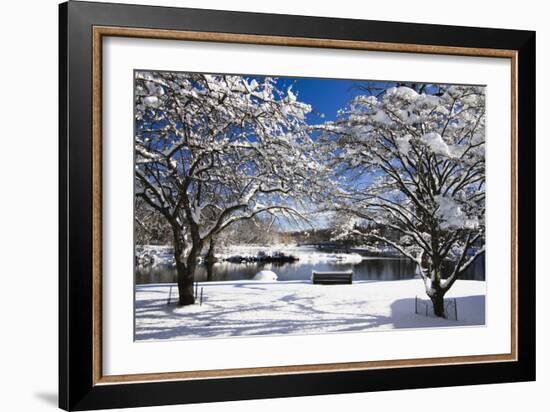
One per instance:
(275,282)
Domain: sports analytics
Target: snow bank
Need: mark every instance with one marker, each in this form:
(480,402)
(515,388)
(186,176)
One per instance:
(244,308)
(265,275)
(303,253)
(330,257)
(154,256)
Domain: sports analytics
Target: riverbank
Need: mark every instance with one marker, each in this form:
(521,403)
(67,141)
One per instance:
(248,308)
(304,254)
(162,256)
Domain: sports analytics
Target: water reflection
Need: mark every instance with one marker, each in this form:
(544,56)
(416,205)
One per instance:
(368,269)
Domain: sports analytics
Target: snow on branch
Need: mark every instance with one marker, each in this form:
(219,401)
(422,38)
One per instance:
(412,160)
(217,149)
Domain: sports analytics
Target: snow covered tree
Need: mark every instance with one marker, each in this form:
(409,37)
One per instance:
(150,226)
(413,161)
(212,150)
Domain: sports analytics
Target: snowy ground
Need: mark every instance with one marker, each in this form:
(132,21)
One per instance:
(243,308)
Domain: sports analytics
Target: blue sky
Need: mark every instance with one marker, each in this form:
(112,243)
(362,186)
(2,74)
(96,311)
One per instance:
(326,96)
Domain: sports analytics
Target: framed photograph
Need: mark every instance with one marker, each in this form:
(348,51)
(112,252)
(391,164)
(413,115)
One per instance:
(256,206)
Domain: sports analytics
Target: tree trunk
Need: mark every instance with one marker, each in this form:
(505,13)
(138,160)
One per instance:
(209,272)
(432,282)
(211,249)
(186,277)
(185,271)
(438,304)
(210,260)
(436,294)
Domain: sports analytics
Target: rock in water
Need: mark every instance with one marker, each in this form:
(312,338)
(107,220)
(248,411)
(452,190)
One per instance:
(265,276)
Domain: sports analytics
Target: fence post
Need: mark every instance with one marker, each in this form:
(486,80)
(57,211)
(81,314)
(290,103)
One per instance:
(456,311)
(201,296)
(169,295)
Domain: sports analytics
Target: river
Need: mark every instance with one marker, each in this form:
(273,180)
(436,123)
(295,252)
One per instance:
(370,268)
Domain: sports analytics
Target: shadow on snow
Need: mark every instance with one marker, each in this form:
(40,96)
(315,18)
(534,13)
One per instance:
(290,313)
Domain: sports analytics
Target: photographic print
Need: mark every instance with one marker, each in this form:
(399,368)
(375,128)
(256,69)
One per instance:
(232,181)
(270,205)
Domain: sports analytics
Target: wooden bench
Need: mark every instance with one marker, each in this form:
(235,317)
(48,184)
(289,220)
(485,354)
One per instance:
(331,278)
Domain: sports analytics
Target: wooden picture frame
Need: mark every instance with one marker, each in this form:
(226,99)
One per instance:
(83,26)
